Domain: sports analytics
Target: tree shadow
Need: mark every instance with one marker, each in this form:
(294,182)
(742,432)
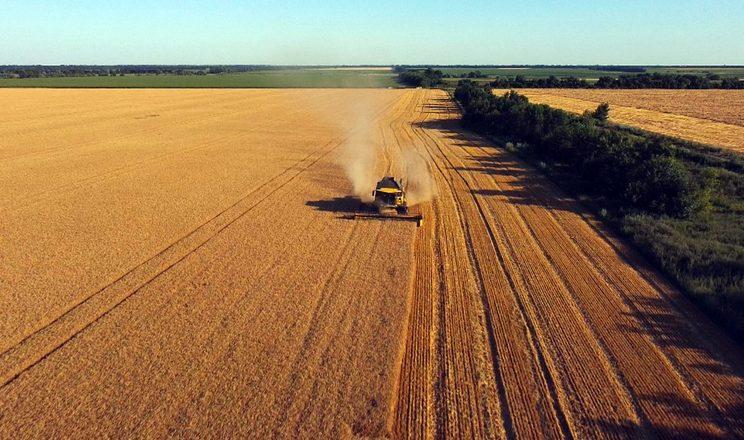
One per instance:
(695,417)
(437,108)
(454,130)
(628,429)
(449,128)
(662,324)
(678,323)
(521,197)
(519,175)
(528,185)
(439,105)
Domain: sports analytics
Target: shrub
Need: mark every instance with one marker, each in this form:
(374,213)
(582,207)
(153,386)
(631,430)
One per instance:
(602,113)
(663,185)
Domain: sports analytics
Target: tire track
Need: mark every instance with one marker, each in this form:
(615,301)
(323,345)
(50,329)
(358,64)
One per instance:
(19,356)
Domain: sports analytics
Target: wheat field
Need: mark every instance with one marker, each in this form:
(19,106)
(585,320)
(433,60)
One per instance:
(181,263)
(714,117)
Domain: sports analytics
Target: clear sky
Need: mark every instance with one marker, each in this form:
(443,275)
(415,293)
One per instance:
(372,32)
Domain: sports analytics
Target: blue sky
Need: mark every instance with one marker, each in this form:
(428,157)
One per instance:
(381,32)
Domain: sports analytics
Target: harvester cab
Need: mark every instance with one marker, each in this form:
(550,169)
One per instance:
(389,203)
(389,196)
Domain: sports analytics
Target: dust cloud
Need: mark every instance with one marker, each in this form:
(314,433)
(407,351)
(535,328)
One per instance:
(362,155)
(418,181)
(359,160)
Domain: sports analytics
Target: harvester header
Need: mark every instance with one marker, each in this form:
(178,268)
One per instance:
(389,203)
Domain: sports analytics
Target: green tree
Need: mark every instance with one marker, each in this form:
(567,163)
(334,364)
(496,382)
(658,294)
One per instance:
(602,113)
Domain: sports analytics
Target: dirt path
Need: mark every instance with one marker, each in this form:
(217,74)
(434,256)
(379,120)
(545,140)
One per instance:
(179,263)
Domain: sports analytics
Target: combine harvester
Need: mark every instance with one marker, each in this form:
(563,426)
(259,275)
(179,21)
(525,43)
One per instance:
(389,203)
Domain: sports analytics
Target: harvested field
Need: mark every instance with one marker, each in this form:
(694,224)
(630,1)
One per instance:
(725,106)
(179,263)
(714,117)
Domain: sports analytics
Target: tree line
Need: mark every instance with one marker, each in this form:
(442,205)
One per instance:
(421,78)
(552,82)
(605,68)
(120,70)
(639,81)
(638,172)
(678,202)
(669,81)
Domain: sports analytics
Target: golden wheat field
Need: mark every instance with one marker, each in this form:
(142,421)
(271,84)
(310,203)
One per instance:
(181,263)
(714,117)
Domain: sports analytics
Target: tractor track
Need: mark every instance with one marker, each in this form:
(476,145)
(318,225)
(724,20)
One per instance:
(13,359)
(11,356)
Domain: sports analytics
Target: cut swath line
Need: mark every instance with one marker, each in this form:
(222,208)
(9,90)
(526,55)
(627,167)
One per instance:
(444,324)
(536,350)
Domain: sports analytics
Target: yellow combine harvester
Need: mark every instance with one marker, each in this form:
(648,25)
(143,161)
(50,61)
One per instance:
(389,203)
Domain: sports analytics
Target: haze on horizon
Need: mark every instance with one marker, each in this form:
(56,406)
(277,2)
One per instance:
(640,32)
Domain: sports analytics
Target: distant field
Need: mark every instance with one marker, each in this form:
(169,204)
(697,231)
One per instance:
(723,71)
(713,117)
(293,78)
(321,77)
(355,68)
